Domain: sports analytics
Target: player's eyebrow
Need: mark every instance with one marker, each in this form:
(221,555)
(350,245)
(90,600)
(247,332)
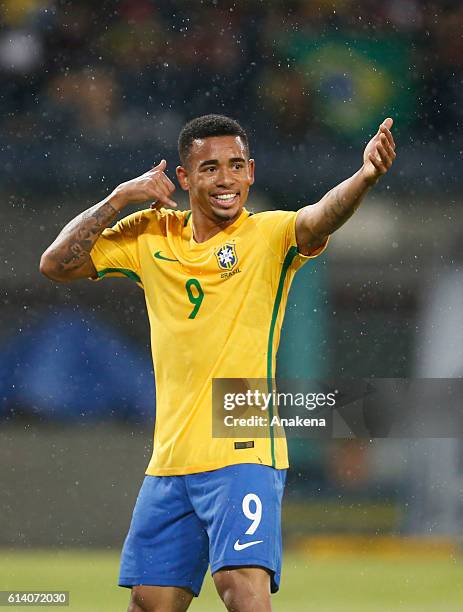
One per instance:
(214,162)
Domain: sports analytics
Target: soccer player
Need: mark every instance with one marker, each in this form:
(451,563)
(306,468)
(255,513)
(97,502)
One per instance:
(216,280)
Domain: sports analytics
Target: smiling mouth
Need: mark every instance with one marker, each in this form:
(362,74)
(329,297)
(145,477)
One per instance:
(225,200)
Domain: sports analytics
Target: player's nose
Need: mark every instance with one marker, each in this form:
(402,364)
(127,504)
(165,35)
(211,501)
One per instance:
(225,178)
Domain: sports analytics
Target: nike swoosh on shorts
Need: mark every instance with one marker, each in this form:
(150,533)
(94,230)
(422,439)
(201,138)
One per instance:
(238,546)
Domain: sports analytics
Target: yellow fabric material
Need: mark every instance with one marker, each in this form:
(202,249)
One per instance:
(224,335)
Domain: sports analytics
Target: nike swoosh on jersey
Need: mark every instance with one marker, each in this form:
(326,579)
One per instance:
(238,546)
(159,256)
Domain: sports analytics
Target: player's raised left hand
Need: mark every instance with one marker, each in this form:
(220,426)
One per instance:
(379,153)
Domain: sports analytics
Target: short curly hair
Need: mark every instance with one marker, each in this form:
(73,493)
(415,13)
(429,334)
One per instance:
(206,126)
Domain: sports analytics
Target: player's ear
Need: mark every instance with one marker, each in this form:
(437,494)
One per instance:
(182,176)
(251,167)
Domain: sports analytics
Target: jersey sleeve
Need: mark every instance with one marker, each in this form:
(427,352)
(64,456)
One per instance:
(115,253)
(279,231)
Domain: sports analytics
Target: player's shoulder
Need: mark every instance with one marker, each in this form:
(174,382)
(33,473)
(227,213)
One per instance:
(268,219)
(153,220)
(269,215)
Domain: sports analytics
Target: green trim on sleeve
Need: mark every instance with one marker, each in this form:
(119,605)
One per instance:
(124,271)
(290,255)
(187,218)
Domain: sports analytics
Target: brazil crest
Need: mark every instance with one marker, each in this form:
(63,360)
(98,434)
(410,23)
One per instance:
(226,256)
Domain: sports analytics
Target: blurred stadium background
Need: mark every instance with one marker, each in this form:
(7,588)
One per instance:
(95,93)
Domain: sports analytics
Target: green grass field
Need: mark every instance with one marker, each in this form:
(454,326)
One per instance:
(352,583)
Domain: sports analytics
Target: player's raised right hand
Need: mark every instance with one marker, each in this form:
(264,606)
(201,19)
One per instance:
(154,186)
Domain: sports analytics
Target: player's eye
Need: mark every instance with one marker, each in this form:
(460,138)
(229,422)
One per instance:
(238,166)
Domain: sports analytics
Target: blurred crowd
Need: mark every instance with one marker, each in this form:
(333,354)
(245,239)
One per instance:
(120,73)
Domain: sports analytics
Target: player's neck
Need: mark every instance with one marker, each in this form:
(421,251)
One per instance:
(205,228)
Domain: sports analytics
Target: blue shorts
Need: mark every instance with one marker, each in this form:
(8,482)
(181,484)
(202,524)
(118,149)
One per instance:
(181,524)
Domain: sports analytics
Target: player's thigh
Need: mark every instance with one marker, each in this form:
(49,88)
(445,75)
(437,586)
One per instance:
(240,507)
(159,599)
(244,589)
(167,545)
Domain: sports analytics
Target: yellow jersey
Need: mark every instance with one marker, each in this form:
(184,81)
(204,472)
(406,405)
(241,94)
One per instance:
(215,309)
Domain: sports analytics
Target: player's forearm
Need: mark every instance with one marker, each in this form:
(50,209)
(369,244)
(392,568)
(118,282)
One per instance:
(68,257)
(314,223)
(339,204)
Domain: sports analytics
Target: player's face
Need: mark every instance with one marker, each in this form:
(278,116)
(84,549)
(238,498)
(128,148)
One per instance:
(218,177)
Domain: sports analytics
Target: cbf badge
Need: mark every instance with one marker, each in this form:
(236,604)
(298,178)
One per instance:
(226,256)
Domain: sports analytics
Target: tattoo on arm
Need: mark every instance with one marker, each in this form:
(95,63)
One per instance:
(72,247)
(337,210)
